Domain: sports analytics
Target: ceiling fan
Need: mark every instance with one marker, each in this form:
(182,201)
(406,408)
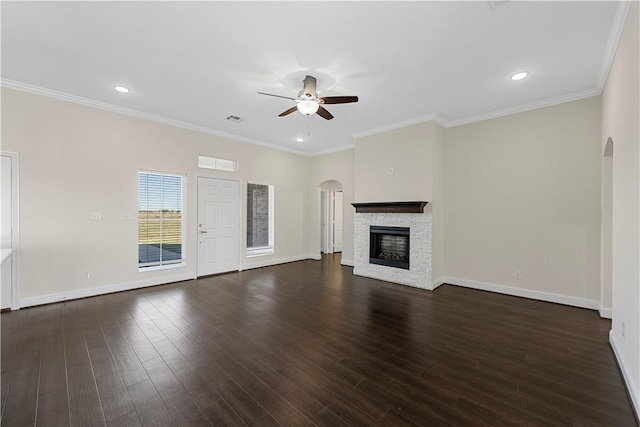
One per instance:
(308,103)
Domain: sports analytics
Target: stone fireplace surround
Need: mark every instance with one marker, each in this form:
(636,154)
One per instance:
(395,214)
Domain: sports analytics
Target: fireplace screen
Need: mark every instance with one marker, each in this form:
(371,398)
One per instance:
(389,246)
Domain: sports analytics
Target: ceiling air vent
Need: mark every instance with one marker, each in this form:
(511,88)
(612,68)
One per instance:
(235,119)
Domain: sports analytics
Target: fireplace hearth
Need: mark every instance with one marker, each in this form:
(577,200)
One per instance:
(389,246)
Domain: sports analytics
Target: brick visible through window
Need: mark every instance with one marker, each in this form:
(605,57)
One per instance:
(259,219)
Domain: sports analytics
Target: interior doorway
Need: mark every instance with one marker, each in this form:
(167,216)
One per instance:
(331,207)
(9,231)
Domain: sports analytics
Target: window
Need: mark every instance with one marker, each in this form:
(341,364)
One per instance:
(217,164)
(160,220)
(259,219)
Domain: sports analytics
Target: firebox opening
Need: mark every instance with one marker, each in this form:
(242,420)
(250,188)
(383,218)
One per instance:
(389,246)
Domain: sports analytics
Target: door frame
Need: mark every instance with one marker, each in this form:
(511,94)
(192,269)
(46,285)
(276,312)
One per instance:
(15,224)
(325,242)
(333,219)
(197,209)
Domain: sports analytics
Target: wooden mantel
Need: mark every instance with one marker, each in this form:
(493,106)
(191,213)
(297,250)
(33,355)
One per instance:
(390,207)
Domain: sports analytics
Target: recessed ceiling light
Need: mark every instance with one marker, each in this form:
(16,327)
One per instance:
(122,89)
(299,139)
(519,75)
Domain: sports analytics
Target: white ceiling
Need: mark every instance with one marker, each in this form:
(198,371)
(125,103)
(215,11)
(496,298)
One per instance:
(195,63)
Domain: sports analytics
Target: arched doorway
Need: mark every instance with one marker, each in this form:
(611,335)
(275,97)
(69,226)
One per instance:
(331,205)
(607,225)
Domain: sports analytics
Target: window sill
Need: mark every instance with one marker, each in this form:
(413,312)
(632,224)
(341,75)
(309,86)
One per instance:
(260,252)
(161,267)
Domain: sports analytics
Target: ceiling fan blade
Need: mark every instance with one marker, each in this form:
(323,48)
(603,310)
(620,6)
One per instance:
(338,99)
(277,96)
(322,112)
(289,111)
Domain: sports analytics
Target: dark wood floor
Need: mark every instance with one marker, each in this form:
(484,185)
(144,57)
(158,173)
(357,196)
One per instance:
(308,343)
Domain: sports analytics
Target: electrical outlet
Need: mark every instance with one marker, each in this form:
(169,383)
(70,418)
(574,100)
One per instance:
(95,216)
(87,275)
(518,274)
(126,216)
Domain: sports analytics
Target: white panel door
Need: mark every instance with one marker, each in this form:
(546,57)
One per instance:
(6,209)
(218,226)
(337,221)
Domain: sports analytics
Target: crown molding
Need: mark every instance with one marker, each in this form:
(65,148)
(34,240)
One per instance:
(24,87)
(619,19)
(439,120)
(397,125)
(333,150)
(575,96)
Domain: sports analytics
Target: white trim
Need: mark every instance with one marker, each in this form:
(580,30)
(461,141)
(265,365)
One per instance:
(268,263)
(626,375)
(101,290)
(4,254)
(15,224)
(331,213)
(617,28)
(25,87)
(437,283)
(315,257)
(260,251)
(606,313)
(324,217)
(439,120)
(575,96)
(398,125)
(182,263)
(332,150)
(526,293)
(347,262)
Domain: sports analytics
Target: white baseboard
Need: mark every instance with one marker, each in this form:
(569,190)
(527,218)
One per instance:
(606,313)
(267,263)
(118,287)
(316,257)
(347,262)
(626,376)
(101,290)
(526,293)
(437,283)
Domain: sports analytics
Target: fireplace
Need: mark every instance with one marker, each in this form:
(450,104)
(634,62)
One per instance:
(402,220)
(389,246)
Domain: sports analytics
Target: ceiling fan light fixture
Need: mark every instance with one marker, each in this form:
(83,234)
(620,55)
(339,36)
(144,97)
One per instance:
(307,108)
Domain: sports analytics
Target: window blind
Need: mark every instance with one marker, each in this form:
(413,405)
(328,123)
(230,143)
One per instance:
(160,219)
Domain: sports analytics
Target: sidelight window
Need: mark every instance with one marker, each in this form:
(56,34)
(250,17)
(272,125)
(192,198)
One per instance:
(259,219)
